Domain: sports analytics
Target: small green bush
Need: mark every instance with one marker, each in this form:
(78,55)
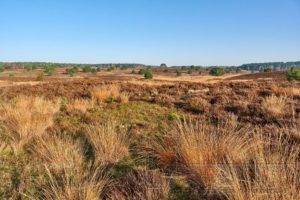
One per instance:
(294,75)
(142,71)
(148,74)
(174,116)
(190,71)
(178,73)
(2,68)
(11,75)
(217,71)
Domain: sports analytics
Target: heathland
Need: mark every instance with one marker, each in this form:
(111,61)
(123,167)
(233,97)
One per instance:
(138,133)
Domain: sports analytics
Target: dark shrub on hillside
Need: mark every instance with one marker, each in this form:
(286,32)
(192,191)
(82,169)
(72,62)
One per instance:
(217,71)
(294,75)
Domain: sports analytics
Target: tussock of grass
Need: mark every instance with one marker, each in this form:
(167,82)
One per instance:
(26,118)
(274,106)
(271,173)
(109,145)
(196,150)
(81,105)
(109,93)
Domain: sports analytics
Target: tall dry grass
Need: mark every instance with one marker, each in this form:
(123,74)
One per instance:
(106,93)
(26,118)
(271,173)
(274,106)
(197,150)
(109,144)
(67,172)
(81,105)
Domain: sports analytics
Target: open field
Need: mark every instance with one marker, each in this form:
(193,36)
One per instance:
(114,135)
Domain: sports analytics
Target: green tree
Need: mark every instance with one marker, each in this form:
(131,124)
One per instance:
(2,68)
(148,74)
(294,75)
(217,71)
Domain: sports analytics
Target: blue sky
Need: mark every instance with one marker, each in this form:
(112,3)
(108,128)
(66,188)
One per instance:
(176,32)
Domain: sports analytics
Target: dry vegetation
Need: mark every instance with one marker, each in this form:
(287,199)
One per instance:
(90,139)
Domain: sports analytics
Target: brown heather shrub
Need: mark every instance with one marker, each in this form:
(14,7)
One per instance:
(81,105)
(197,150)
(198,104)
(108,143)
(26,118)
(271,173)
(274,106)
(141,184)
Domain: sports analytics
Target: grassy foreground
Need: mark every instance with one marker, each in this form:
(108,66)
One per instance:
(113,145)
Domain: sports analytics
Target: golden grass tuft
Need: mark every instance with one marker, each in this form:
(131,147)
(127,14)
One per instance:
(26,118)
(196,150)
(285,91)
(274,106)
(109,93)
(81,105)
(109,144)
(271,173)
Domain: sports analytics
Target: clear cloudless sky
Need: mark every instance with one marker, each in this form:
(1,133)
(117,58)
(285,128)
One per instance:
(176,32)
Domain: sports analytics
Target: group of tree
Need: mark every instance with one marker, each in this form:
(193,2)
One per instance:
(272,65)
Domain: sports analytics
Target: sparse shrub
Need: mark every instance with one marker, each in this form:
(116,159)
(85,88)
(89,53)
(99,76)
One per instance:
(133,72)
(274,106)
(190,71)
(2,68)
(11,75)
(178,73)
(148,74)
(72,71)
(268,70)
(294,75)
(40,77)
(197,104)
(217,71)
(87,69)
(142,71)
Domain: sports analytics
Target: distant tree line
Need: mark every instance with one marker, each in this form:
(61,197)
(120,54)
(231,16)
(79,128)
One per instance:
(269,65)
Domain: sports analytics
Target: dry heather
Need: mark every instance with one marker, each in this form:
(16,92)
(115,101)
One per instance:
(137,151)
(141,184)
(26,118)
(274,106)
